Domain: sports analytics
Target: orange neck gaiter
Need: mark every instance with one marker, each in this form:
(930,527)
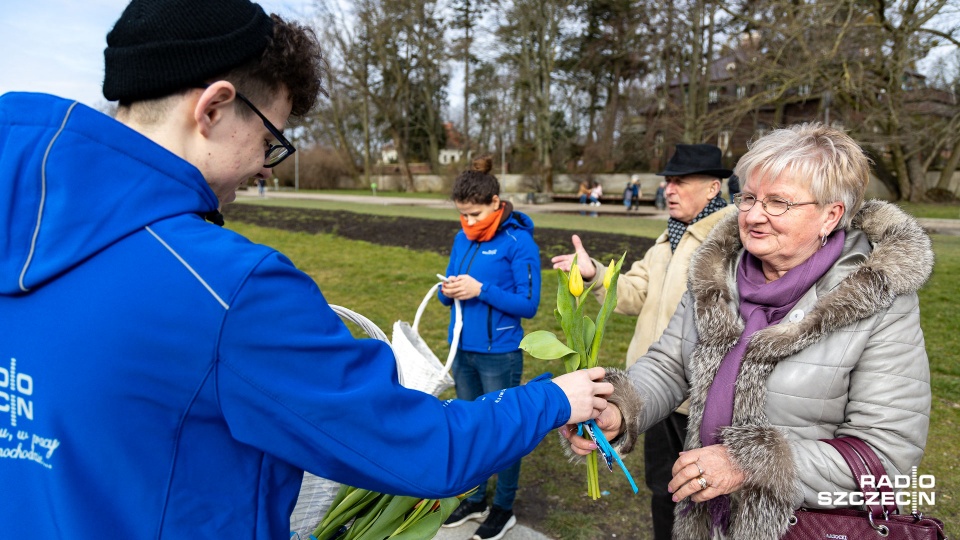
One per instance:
(482,231)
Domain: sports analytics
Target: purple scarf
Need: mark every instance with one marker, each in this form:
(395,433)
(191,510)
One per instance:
(762,304)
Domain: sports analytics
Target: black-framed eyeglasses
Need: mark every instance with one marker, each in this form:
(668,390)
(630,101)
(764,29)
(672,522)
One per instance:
(775,206)
(275,152)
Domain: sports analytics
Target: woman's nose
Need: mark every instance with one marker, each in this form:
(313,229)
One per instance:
(756,213)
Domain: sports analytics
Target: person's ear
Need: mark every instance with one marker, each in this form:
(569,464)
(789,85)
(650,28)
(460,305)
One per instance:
(496,201)
(714,188)
(212,105)
(834,213)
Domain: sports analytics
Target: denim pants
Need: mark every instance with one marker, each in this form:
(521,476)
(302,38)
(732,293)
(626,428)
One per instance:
(476,374)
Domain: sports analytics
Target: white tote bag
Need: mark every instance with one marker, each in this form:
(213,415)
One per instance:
(419,368)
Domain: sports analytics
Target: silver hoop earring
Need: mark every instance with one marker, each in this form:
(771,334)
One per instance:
(823,240)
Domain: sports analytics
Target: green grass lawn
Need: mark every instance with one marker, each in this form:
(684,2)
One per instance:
(386,284)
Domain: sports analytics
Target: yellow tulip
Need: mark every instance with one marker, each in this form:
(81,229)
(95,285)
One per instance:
(576,281)
(608,276)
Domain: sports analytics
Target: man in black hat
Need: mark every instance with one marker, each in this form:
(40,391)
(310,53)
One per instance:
(148,409)
(652,289)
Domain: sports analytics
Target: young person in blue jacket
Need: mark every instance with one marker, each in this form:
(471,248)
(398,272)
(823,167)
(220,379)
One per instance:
(494,271)
(136,401)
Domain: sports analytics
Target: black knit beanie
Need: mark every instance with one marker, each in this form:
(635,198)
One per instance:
(159,47)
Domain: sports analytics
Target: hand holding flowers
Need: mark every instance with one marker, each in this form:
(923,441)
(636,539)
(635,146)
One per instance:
(583,338)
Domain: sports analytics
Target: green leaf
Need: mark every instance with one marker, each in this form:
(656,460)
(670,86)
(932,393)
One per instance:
(576,334)
(565,305)
(589,329)
(544,345)
(571,361)
(381,521)
(353,503)
(609,303)
(426,527)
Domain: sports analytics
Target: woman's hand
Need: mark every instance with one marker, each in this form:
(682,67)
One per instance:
(713,464)
(610,422)
(462,287)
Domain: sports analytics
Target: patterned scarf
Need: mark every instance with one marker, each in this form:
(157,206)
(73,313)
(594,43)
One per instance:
(676,228)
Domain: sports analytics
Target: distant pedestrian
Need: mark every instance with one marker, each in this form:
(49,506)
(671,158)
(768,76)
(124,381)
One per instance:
(660,199)
(261,187)
(583,191)
(635,193)
(596,192)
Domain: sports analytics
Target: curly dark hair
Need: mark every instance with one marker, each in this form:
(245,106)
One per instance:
(476,185)
(292,59)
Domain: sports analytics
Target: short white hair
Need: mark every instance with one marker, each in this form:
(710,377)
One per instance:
(834,165)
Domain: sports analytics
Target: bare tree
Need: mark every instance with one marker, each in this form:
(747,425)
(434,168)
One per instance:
(531,31)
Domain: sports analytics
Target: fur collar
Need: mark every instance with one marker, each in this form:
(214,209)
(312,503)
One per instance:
(901,262)
(886,254)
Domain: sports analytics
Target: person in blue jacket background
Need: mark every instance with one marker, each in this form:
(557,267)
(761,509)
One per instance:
(494,271)
(136,401)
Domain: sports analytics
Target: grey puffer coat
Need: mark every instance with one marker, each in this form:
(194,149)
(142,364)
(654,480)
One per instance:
(848,360)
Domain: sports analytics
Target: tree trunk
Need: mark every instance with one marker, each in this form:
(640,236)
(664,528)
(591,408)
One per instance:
(918,179)
(366,138)
(465,143)
(408,184)
(900,169)
(946,174)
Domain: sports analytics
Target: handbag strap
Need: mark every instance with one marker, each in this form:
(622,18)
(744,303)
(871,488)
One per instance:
(457,323)
(863,461)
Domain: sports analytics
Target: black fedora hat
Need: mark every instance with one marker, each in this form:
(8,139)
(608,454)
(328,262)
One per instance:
(696,159)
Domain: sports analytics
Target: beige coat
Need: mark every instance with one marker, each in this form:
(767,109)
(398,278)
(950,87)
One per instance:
(653,286)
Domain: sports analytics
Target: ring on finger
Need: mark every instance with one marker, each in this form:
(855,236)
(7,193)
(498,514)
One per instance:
(703,483)
(697,465)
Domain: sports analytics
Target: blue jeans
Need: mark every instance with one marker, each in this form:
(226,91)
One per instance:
(477,374)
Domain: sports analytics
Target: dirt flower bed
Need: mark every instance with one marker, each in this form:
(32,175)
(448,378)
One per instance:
(423,234)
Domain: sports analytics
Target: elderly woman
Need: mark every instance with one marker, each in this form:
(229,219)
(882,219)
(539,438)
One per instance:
(801,323)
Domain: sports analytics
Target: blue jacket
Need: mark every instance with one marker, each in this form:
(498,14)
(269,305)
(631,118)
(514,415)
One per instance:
(508,267)
(162,377)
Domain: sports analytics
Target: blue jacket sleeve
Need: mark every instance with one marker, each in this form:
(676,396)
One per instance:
(525,266)
(293,382)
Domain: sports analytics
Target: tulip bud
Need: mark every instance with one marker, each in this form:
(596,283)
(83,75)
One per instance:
(609,275)
(576,281)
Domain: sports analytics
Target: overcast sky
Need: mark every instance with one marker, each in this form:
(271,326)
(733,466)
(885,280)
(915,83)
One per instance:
(56,46)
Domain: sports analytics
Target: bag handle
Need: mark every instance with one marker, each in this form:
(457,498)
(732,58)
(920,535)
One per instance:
(863,462)
(457,323)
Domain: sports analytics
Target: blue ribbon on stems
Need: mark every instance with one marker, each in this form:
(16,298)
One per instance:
(606,450)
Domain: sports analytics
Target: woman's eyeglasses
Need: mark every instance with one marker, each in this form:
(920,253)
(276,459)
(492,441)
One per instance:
(775,206)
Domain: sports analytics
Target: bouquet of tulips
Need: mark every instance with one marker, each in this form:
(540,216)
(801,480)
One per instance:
(583,337)
(360,514)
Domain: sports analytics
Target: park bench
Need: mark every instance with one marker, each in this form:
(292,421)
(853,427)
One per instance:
(605,199)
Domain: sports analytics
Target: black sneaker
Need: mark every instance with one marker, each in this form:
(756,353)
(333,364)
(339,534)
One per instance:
(465,512)
(496,525)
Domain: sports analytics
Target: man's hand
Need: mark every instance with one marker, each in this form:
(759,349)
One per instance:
(585,390)
(563,262)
